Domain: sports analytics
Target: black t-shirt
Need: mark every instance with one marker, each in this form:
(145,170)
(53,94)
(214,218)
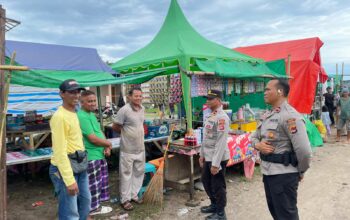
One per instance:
(329,100)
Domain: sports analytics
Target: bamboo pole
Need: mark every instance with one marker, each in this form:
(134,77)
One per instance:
(288,65)
(13,68)
(100,116)
(3,180)
(336,87)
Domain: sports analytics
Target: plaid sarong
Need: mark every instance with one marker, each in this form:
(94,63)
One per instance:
(98,182)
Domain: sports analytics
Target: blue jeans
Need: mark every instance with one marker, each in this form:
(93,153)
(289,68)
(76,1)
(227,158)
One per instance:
(71,207)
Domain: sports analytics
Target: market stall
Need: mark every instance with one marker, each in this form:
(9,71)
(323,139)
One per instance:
(27,128)
(179,49)
(305,67)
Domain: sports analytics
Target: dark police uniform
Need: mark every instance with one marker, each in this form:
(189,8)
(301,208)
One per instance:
(214,150)
(284,128)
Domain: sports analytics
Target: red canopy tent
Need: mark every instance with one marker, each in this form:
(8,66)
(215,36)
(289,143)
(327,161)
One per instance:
(305,67)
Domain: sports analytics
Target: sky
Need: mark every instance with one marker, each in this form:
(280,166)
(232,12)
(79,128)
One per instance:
(117,28)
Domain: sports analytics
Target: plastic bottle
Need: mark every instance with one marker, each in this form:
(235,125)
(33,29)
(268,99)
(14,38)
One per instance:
(240,114)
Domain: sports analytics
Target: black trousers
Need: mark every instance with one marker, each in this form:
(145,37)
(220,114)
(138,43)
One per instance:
(331,113)
(215,185)
(281,195)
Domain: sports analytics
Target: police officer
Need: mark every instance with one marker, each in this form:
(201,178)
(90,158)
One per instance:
(214,155)
(284,149)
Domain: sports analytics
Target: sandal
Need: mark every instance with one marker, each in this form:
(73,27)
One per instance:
(102,210)
(127,206)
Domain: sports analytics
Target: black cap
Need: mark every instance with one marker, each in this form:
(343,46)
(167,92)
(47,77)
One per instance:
(214,94)
(70,85)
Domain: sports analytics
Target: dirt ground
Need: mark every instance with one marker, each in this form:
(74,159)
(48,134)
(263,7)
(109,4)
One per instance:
(323,194)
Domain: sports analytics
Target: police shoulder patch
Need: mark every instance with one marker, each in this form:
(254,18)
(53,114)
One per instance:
(292,126)
(221,124)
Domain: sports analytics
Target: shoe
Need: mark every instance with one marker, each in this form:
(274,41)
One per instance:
(217,216)
(102,210)
(208,209)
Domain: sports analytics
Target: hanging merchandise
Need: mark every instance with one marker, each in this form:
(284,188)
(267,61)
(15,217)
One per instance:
(251,87)
(121,102)
(194,86)
(245,86)
(175,95)
(230,86)
(217,84)
(259,86)
(159,90)
(238,87)
(202,86)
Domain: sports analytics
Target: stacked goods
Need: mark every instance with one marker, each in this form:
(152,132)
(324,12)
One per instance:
(159,94)
(175,95)
(31,121)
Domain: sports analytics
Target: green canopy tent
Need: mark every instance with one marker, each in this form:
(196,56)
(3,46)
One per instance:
(175,49)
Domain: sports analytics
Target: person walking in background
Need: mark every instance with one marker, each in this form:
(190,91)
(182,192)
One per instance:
(326,120)
(329,102)
(343,109)
(129,122)
(97,147)
(71,185)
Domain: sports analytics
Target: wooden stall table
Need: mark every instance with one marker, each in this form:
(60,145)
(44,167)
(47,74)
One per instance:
(14,158)
(17,136)
(176,164)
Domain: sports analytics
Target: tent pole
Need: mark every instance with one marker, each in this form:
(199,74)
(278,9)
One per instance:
(288,72)
(98,89)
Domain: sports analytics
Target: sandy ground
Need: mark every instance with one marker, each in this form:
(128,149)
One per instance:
(323,194)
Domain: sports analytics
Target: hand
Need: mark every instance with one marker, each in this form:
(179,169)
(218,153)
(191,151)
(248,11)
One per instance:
(301,178)
(107,151)
(264,147)
(201,162)
(214,170)
(73,189)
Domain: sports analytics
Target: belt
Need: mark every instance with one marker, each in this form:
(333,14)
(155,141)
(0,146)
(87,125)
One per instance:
(285,158)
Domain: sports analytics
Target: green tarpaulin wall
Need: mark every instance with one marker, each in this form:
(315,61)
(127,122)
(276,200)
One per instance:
(53,78)
(236,69)
(256,100)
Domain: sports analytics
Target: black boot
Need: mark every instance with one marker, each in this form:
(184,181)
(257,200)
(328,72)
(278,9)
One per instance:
(217,216)
(208,209)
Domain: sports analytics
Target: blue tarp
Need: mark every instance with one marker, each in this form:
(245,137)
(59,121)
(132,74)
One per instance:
(39,56)
(68,60)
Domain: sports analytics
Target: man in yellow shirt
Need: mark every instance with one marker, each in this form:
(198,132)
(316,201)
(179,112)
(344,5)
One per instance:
(71,188)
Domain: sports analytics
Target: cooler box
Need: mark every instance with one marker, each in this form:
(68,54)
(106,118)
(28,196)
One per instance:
(158,131)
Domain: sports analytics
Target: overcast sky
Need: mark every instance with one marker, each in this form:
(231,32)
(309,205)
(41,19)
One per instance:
(117,28)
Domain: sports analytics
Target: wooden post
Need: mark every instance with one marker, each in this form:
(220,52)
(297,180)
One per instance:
(336,73)
(288,65)
(3,177)
(342,73)
(98,88)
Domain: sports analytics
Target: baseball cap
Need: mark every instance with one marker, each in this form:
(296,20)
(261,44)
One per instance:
(214,94)
(70,85)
